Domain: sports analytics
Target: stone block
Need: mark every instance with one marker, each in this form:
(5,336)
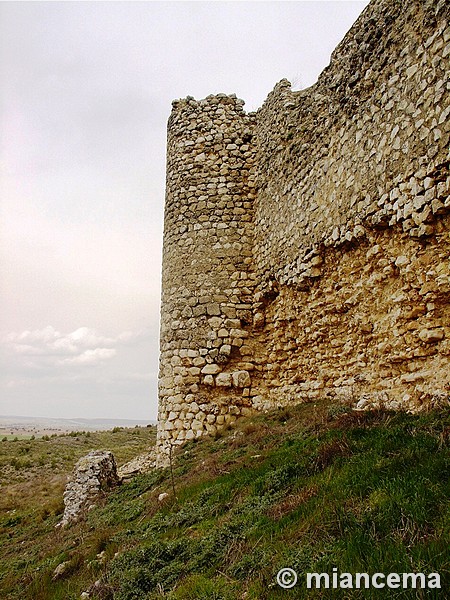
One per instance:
(430,336)
(241,379)
(225,349)
(213,309)
(438,207)
(223,380)
(196,425)
(211,369)
(238,333)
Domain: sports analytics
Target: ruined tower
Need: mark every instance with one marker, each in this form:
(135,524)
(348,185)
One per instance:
(208,278)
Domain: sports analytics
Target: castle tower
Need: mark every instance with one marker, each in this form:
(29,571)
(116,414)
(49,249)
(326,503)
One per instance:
(207,278)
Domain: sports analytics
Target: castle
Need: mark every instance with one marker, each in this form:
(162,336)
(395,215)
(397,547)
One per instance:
(306,246)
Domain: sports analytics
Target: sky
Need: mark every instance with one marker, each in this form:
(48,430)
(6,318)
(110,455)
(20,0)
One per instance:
(85,94)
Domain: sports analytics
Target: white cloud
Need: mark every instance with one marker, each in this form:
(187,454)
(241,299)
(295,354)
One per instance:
(90,357)
(63,345)
(47,334)
(27,349)
(89,338)
(83,346)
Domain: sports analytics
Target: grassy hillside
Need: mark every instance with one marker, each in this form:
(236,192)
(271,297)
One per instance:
(310,488)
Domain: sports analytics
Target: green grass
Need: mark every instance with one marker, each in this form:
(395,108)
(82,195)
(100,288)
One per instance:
(309,488)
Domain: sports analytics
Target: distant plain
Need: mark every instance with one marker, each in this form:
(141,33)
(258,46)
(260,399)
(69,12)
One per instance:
(26,427)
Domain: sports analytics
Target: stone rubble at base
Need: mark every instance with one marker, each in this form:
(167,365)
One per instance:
(140,464)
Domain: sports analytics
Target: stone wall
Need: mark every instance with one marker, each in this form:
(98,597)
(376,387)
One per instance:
(306,247)
(356,148)
(351,232)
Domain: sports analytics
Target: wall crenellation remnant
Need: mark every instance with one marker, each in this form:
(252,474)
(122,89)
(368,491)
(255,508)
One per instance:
(306,246)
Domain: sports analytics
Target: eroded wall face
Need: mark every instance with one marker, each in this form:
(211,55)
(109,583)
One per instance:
(373,330)
(351,226)
(208,277)
(307,246)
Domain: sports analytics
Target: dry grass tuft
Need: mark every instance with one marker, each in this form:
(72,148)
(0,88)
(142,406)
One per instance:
(291,502)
